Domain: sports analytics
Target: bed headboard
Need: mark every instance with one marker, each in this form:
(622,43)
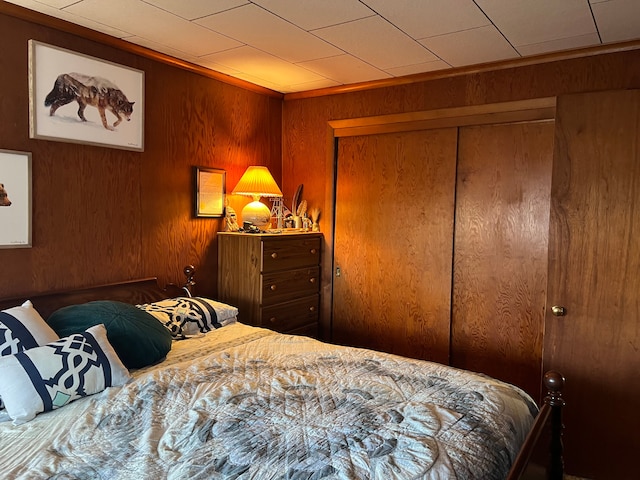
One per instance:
(143,290)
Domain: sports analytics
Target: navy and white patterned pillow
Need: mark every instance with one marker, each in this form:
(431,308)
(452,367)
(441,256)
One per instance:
(191,315)
(22,328)
(48,377)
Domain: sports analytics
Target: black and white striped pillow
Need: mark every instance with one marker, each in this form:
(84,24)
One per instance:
(191,315)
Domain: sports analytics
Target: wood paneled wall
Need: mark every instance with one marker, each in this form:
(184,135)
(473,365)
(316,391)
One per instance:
(102,215)
(308,139)
(305,142)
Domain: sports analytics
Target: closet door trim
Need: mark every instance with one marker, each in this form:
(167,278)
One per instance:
(492,113)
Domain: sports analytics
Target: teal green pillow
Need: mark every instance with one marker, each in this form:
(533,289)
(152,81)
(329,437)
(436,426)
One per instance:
(136,336)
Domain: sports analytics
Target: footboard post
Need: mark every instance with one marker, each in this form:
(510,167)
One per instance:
(553,381)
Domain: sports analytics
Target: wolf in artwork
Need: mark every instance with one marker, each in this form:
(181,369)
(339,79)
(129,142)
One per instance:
(87,90)
(4,197)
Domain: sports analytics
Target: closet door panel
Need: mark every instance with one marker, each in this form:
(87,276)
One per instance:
(393,242)
(500,253)
(594,265)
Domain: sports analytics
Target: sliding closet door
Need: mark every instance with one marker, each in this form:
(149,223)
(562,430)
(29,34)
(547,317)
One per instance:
(594,273)
(393,242)
(500,254)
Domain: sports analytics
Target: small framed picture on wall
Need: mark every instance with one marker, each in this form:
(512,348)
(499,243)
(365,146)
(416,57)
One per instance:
(210,192)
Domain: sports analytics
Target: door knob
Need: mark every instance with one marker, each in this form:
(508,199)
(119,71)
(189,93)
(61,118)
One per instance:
(558,311)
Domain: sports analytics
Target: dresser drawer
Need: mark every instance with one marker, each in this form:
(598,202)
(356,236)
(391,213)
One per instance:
(288,285)
(279,254)
(288,316)
(273,279)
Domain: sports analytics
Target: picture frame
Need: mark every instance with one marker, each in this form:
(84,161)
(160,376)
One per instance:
(15,199)
(81,99)
(210,191)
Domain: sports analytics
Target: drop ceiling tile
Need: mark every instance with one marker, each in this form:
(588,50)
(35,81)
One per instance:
(324,83)
(69,17)
(122,14)
(479,45)
(127,14)
(263,83)
(419,68)
(255,26)
(376,41)
(286,88)
(570,43)
(344,69)
(421,19)
(54,3)
(310,14)
(259,64)
(85,22)
(193,9)
(618,20)
(527,22)
(217,67)
(162,48)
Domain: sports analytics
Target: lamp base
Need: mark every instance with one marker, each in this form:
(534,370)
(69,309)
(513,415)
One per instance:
(257,213)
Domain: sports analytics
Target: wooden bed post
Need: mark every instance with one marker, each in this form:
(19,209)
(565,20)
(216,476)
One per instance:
(189,272)
(553,381)
(549,419)
(175,290)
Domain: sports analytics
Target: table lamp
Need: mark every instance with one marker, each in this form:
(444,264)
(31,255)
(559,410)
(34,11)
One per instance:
(257,182)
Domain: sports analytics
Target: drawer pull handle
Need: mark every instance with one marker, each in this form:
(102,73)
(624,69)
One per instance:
(312,280)
(273,288)
(273,319)
(313,251)
(274,255)
(312,309)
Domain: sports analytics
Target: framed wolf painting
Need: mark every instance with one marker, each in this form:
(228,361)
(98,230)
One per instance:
(15,199)
(81,99)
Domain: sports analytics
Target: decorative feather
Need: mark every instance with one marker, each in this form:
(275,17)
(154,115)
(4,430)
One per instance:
(314,213)
(296,197)
(302,209)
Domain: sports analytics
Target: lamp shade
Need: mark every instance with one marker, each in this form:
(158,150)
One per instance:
(257,182)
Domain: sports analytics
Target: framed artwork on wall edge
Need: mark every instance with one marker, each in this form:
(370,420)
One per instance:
(15,199)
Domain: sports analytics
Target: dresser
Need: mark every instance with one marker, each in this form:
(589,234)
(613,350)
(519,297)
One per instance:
(273,279)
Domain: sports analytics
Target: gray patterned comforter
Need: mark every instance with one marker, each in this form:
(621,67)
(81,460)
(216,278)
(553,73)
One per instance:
(255,405)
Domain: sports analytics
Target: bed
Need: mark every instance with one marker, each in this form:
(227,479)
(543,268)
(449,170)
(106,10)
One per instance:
(241,402)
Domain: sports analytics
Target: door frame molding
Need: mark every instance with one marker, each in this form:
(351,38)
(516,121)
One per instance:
(530,110)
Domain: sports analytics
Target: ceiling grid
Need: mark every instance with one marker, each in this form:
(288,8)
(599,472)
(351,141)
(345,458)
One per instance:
(293,46)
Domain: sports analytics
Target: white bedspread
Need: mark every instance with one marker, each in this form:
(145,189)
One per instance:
(244,403)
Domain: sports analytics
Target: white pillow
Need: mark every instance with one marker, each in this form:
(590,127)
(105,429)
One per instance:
(191,315)
(22,328)
(48,377)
